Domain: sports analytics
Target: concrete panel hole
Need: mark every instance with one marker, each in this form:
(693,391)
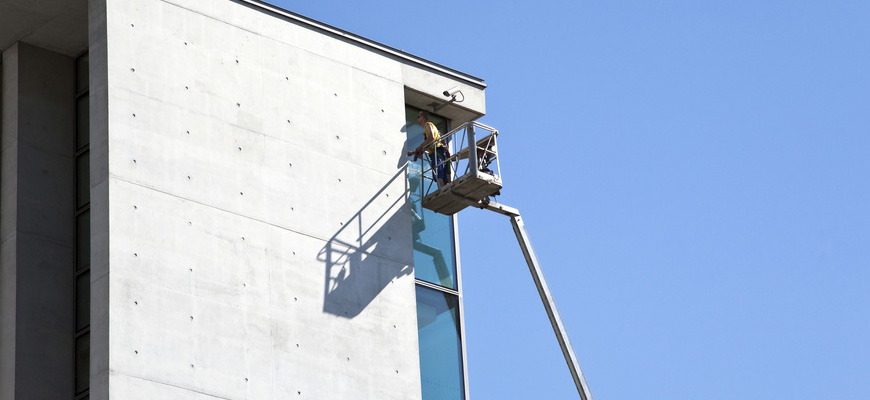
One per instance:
(291,208)
(188,177)
(185,43)
(288,121)
(384,151)
(394,327)
(382,110)
(299,393)
(135,254)
(336,136)
(339,179)
(297,344)
(389,238)
(135,208)
(191,269)
(189,223)
(134,161)
(135,351)
(397,371)
(132,69)
(240,149)
(131,25)
(243,238)
(238,105)
(135,303)
(191,365)
(186,88)
(388,195)
(188,132)
(348,358)
(290,164)
(241,194)
(237,61)
(336,94)
(191,317)
(341,223)
(294,253)
(134,115)
(244,285)
(296,299)
(246,379)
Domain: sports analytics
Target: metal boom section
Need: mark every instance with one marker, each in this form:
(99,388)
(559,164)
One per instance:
(544,292)
(478,177)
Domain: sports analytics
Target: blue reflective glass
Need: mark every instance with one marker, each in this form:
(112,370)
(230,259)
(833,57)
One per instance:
(434,259)
(440,346)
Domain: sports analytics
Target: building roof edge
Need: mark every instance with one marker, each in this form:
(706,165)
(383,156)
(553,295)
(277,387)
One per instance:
(473,80)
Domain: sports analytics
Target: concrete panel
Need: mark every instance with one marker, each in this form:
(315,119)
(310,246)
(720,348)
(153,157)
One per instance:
(100,229)
(219,312)
(134,388)
(9,142)
(250,174)
(38,206)
(8,188)
(57,25)
(236,81)
(425,91)
(8,311)
(8,218)
(44,320)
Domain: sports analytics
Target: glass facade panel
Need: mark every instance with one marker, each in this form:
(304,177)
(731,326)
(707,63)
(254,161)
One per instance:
(82,297)
(440,345)
(83,362)
(83,180)
(83,242)
(83,121)
(82,71)
(434,260)
(83,300)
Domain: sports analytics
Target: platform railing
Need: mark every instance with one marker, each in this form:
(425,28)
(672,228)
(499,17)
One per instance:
(462,161)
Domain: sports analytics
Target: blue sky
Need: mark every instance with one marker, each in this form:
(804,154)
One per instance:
(695,176)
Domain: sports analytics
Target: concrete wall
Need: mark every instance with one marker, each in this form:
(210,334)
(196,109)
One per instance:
(37,224)
(98,96)
(252,236)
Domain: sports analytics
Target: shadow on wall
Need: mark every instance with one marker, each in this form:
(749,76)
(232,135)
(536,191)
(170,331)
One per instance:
(354,277)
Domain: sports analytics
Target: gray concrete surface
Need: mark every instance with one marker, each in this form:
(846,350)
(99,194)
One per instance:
(250,224)
(99,181)
(56,25)
(259,225)
(37,224)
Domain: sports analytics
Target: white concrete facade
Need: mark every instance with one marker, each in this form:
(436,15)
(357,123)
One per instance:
(250,226)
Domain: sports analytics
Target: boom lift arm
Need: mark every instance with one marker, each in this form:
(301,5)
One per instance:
(474,162)
(544,292)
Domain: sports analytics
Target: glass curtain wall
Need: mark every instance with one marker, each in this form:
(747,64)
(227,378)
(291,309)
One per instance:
(82,272)
(434,259)
(438,321)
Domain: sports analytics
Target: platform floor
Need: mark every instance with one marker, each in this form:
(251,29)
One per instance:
(466,190)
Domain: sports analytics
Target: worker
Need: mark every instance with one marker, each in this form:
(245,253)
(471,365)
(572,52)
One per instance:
(437,154)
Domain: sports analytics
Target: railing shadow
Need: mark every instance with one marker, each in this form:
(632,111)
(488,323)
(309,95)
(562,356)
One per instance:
(354,276)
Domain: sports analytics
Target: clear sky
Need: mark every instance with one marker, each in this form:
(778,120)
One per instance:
(695,177)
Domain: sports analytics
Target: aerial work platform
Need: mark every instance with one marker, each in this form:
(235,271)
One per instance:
(477,177)
(476,173)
